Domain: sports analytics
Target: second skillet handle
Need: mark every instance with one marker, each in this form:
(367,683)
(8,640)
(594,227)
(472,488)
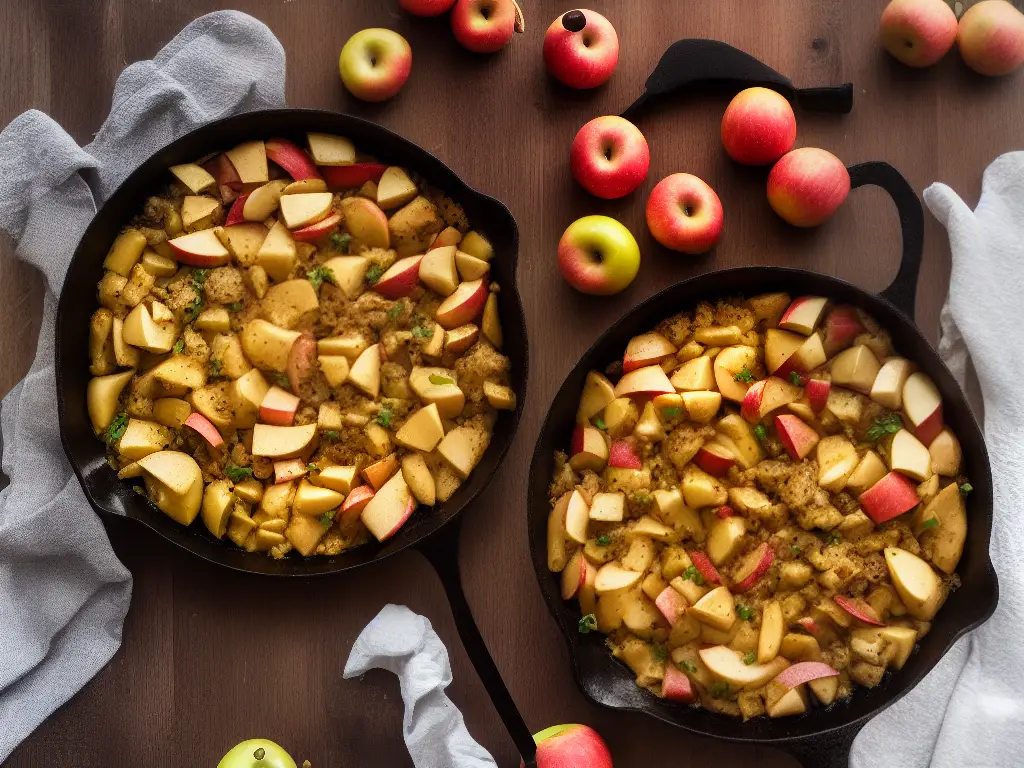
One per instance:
(830,750)
(442,550)
(903,290)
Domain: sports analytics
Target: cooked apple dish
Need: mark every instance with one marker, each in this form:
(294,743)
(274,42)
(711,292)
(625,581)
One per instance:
(299,344)
(760,507)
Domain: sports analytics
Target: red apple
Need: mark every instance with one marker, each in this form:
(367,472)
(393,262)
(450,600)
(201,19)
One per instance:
(860,609)
(302,360)
(426,7)
(803,314)
(279,407)
(803,672)
(200,249)
(755,565)
(581,49)
(797,437)
(621,454)
(375,63)
(463,306)
(647,382)
(817,392)
(684,214)
(890,497)
(598,255)
(236,213)
(646,349)
(292,158)
(842,325)
(750,409)
(807,186)
(676,686)
(574,575)
(671,604)
(723,512)
(706,568)
(288,469)
(571,746)
(715,459)
(228,182)
(486,26)
(356,501)
(318,230)
(917,32)
(355,175)
(923,406)
(204,427)
(991,37)
(758,127)
(810,626)
(609,157)
(400,278)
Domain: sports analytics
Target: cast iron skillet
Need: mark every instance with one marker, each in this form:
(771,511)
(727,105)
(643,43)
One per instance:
(434,532)
(821,737)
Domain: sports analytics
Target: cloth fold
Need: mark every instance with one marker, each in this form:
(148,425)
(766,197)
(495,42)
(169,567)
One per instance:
(63,593)
(404,643)
(975,688)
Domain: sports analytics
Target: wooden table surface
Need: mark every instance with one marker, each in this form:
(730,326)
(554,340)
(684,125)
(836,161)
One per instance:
(211,657)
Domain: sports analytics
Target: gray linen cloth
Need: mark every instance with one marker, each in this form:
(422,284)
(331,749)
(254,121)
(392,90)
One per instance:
(63,593)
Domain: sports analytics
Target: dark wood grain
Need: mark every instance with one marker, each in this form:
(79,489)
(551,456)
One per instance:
(211,657)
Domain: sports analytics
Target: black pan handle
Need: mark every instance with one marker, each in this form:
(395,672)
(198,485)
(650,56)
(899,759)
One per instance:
(442,550)
(690,63)
(902,292)
(826,750)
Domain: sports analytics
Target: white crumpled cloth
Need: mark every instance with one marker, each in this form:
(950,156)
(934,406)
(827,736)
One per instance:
(969,711)
(63,593)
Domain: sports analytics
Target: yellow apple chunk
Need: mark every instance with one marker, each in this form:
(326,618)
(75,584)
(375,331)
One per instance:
(772,629)
(470,267)
(218,503)
(918,586)
(499,396)
(193,176)
(462,448)
(694,375)
(195,208)
(557,555)
(349,273)
(263,201)
(366,222)
(869,471)
(216,319)
(337,478)
(281,442)
(716,609)
(125,252)
(438,271)
(728,665)
(477,245)
(250,162)
(612,577)
(701,406)
(725,537)
(174,483)
(395,188)
(102,394)
(418,478)
(298,211)
(729,362)
(908,455)
(171,412)
(438,386)
(350,345)
(142,438)
(364,374)
(597,393)
(290,303)
(701,489)
(779,346)
(277,253)
(422,431)
(314,500)
(178,374)
(944,449)
(305,533)
(837,459)
(942,542)
(793,702)
(856,368)
(327,149)
(140,330)
(490,324)
(389,508)
(741,436)
(268,345)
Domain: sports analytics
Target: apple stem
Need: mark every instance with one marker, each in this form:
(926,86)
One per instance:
(574,21)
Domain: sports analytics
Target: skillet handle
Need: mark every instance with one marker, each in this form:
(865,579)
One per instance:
(442,550)
(830,750)
(902,292)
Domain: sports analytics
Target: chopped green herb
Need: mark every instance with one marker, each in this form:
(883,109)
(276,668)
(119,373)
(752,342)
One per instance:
(966,488)
(327,517)
(340,241)
(744,376)
(384,416)
(833,538)
(396,310)
(671,412)
(692,574)
(332,434)
(796,378)
(660,652)
(688,666)
(422,333)
(587,624)
(745,612)
(215,366)
(235,306)
(760,433)
(889,424)
(319,275)
(931,522)
(749,658)
(720,690)
(440,380)
(192,310)
(599,423)
(311,467)
(642,498)
(179,346)
(237,474)
(117,427)
(374,273)
(795,549)
(199,277)
(604,540)
(280,379)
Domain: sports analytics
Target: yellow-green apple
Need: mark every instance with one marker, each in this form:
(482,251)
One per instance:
(645,382)
(288,469)
(856,368)
(292,158)
(262,753)
(923,405)
(205,429)
(817,391)
(463,306)
(426,7)
(837,459)
(375,63)
(355,175)
(890,497)
(804,314)
(706,568)
(588,449)
(486,26)
(598,255)
(622,454)
(570,746)
(676,686)
(946,454)
(581,49)
(574,575)
(389,508)
(610,507)
(646,349)
(753,567)
(319,230)
(609,157)
(807,186)
(671,604)
(918,586)
(797,438)
(684,214)
(917,32)
(991,37)
(887,389)
(400,278)
(908,455)
(859,608)
(758,127)
(842,325)
(200,249)
(714,458)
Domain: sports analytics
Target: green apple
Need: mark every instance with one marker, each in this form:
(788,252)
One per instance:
(375,63)
(598,255)
(257,753)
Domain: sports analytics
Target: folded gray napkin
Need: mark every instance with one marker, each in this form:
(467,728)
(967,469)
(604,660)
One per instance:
(63,593)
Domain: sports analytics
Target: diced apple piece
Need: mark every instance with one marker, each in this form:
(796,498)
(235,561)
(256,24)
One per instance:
(769,306)
(701,489)
(354,175)
(366,222)
(715,459)
(287,470)
(102,394)
(588,449)
(859,608)
(646,349)
(701,406)
(577,517)
(946,454)
(798,438)
(644,382)
(470,267)
(887,389)
(267,345)
(463,306)
(825,689)
(890,497)
(299,211)
(381,471)
(290,156)
(395,189)
(779,347)
(941,527)
(837,460)
(608,507)
(729,666)
(598,392)
(178,374)
(754,566)
(725,538)
(490,324)
(671,604)
(318,230)
(278,407)
(842,325)
(766,396)
(336,477)
(328,149)
(438,385)
(793,702)
(349,273)
(142,438)
(365,371)
(918,586)
(612,577)
(174,483)
(281,442)
(808,356)
(923,406)
(707,569)
(477,245)
(307,185)
(856,368)
(803,315)
(574,575)
(741,438)
(458,340)
(869,471)
(817,391)
(277,253)
(195,208)
(772,629)
(438,271)
(250,162)
(557,555)
(315,500)
(908,455)
(447,236)
(140,330)
(462,448)
(400,279)
(205,429)
(422,431)
(335,369)
(218,502)
(729,363)
(263,201)
(676,686)
(389,508)
(195,177)
(693,375)
(499,396)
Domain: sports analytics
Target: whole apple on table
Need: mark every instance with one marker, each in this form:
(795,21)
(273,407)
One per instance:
(598,255)
(375,63)
(581,49)
(486,26)
(609,157)
(685,214)
(571,746)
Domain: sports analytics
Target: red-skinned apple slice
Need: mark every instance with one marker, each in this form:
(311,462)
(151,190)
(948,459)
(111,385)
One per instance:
(728,363)
(400,278)
(236,214)
(447,236)
(755,565)
(842,324)
(803,315)
(389,508)
(797,437)
(463,306)
(356,501)
(858,608)
(355,175)
(278,407)
(908,455)
(228,182)
(779,346)
(751,406)
(204,427)
(817,391)
(612,577)
(574,575)
(766,396)
(923,405)
(589,449)
(715,459)
(201,249)
(320,229)
(577,517)
(671,604)
(723,512)
(807,357)
(890,497)
(706,568)
(887,389)
(292,158)
(650,381)
(646,349)
(288,469)
(803,672)
(676,686)
(621,454)
(728,665)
